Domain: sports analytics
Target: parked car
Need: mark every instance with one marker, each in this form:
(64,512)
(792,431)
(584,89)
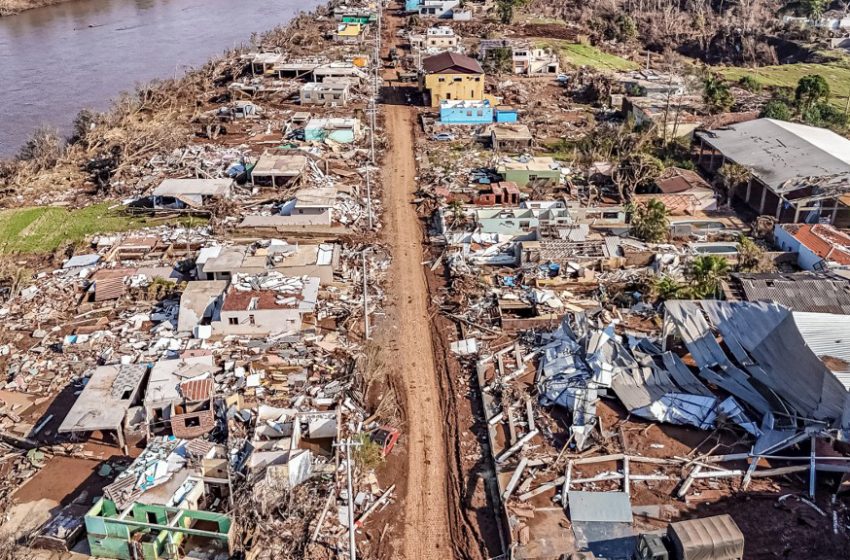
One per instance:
(443,137)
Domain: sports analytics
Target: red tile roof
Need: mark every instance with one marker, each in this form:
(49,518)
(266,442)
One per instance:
(824,240)
(676,180)
(197,389)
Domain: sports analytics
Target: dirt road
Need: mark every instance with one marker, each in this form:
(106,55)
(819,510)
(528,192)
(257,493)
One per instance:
(426,507)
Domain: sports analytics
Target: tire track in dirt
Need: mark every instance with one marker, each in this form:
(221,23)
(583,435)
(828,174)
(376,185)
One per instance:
(426,508)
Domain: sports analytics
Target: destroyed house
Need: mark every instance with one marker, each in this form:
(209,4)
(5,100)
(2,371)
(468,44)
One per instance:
(818,246)
(329,93)
(262,62)
(298,69)
(171,472)
(438,8)
(530,171)
(179,397)
(311,206)
(527,219)
(267,304)
(677,117)
(278,168)
(466,112)
(339,130)
(530,61)
(498,194)
(338,71)
(179,194)
(352,14)
(223,262)
(441,37)
(200,305)
(154,532)
(487,46)
(511,138)
(452,76)
(104,401)
(798,173)
(348,33)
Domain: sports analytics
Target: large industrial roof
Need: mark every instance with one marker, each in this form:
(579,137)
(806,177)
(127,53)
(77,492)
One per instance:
(778,151)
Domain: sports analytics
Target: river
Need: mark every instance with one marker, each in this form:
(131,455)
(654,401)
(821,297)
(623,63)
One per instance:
(59,59)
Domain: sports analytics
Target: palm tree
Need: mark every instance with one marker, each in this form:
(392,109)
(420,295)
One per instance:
(666,287)
(456,211)
(707,273)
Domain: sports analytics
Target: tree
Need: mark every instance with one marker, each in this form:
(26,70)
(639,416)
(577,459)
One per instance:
(776,109)
(43,149)
(456,211)
(626,28)
(733,176)
(751,257)
(749,83)
(814,9)
(636,170)
(811,90)
(716,94)
(499,60)
(666,287)
(506,10)
(706,274)
(649,221)
(826,115)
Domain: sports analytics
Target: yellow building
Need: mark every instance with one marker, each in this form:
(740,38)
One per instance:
(452,76)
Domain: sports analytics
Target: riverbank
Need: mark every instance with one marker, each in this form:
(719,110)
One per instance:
(108,152)
(14,7)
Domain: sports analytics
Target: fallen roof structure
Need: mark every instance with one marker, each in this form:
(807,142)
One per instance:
(579,361)
(103,404)
(769,366)
(193,191)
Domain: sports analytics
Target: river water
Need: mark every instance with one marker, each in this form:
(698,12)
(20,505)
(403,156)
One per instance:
(59,59)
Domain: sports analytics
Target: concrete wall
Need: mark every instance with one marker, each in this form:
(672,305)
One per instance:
(265,322)
(806,259)
(522,177)
(469,87)
(466,115)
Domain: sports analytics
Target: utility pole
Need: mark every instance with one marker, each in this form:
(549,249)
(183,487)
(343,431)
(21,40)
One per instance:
(352,548)
(365,295)
(369,196)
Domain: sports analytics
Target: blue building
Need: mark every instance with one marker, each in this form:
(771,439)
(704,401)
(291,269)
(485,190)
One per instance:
(412,5)
(466,112)
(506,114)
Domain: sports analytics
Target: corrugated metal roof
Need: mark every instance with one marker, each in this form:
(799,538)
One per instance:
(777,151)
(828,336)
(805,291)
(609,507)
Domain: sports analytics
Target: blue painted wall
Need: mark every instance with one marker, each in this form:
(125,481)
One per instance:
(466,115)
(506,116)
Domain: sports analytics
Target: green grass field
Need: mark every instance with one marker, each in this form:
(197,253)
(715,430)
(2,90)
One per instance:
(44,229)
(837,74)
(580,54)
